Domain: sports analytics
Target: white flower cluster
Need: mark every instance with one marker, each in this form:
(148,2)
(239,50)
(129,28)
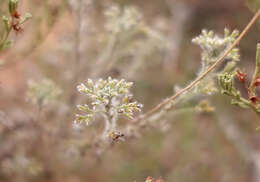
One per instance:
(214,46)
(109,98)
(126,19)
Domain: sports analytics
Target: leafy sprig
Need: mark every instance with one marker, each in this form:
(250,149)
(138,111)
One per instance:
(12,22)
(226,82)
(109,98)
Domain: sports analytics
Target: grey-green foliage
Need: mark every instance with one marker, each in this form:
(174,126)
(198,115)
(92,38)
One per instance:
(128,36)
(128,19)
(213,47)
(23,164)
(42,92)
(226,83)
(13,21)
(109,98)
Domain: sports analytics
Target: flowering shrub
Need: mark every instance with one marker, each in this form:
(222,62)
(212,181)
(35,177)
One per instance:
(98,129)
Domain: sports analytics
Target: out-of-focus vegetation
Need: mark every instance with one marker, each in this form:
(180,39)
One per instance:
(128,51)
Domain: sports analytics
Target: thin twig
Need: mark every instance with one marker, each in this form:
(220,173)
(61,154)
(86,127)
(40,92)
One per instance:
(38,117)
(78,40)
(197,80)
(77,52)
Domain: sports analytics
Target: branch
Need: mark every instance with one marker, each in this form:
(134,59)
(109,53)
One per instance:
(204,74)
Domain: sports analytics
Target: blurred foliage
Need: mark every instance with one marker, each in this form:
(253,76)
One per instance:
(253,5)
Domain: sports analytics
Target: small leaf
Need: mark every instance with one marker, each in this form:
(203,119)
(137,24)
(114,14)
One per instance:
(257,129)
(24,18)
(6,23)
(7,44)
(239,103)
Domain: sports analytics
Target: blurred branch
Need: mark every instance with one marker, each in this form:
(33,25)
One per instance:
(77,52)
(180,13)
(233,134)
(240,143)
(77,39)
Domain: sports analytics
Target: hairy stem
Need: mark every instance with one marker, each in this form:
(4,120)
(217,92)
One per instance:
(4,39)
(107,126)
(77,40)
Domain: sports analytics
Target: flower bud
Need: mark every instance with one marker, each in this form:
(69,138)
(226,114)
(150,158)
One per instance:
(241,76)
(254,99)
(226,82)
(257,82)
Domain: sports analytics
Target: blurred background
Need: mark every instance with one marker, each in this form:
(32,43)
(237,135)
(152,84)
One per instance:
(68,41)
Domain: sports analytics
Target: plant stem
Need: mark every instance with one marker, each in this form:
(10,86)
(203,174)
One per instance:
(78,40)
(38,117)
(204,74)
(77,52)
(4,39)
(105,55)
(106,127)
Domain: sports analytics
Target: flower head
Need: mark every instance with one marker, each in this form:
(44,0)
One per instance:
(110,97)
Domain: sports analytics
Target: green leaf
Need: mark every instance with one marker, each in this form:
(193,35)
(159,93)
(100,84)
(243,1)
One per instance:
(6,23)
(239,103)
(7,44)
(24,18)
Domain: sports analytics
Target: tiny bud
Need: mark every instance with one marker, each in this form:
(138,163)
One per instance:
(241,76)
(257,82)
(17,28)
(6,23)
(24,18)
(254,99)
(139,106)
(120,111)
(15,14)
(149,179)
(116,136)
(130,98)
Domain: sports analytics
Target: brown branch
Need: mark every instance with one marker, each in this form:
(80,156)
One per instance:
(192,84)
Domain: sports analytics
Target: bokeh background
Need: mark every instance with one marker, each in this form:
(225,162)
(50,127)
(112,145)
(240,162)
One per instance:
(67,42)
